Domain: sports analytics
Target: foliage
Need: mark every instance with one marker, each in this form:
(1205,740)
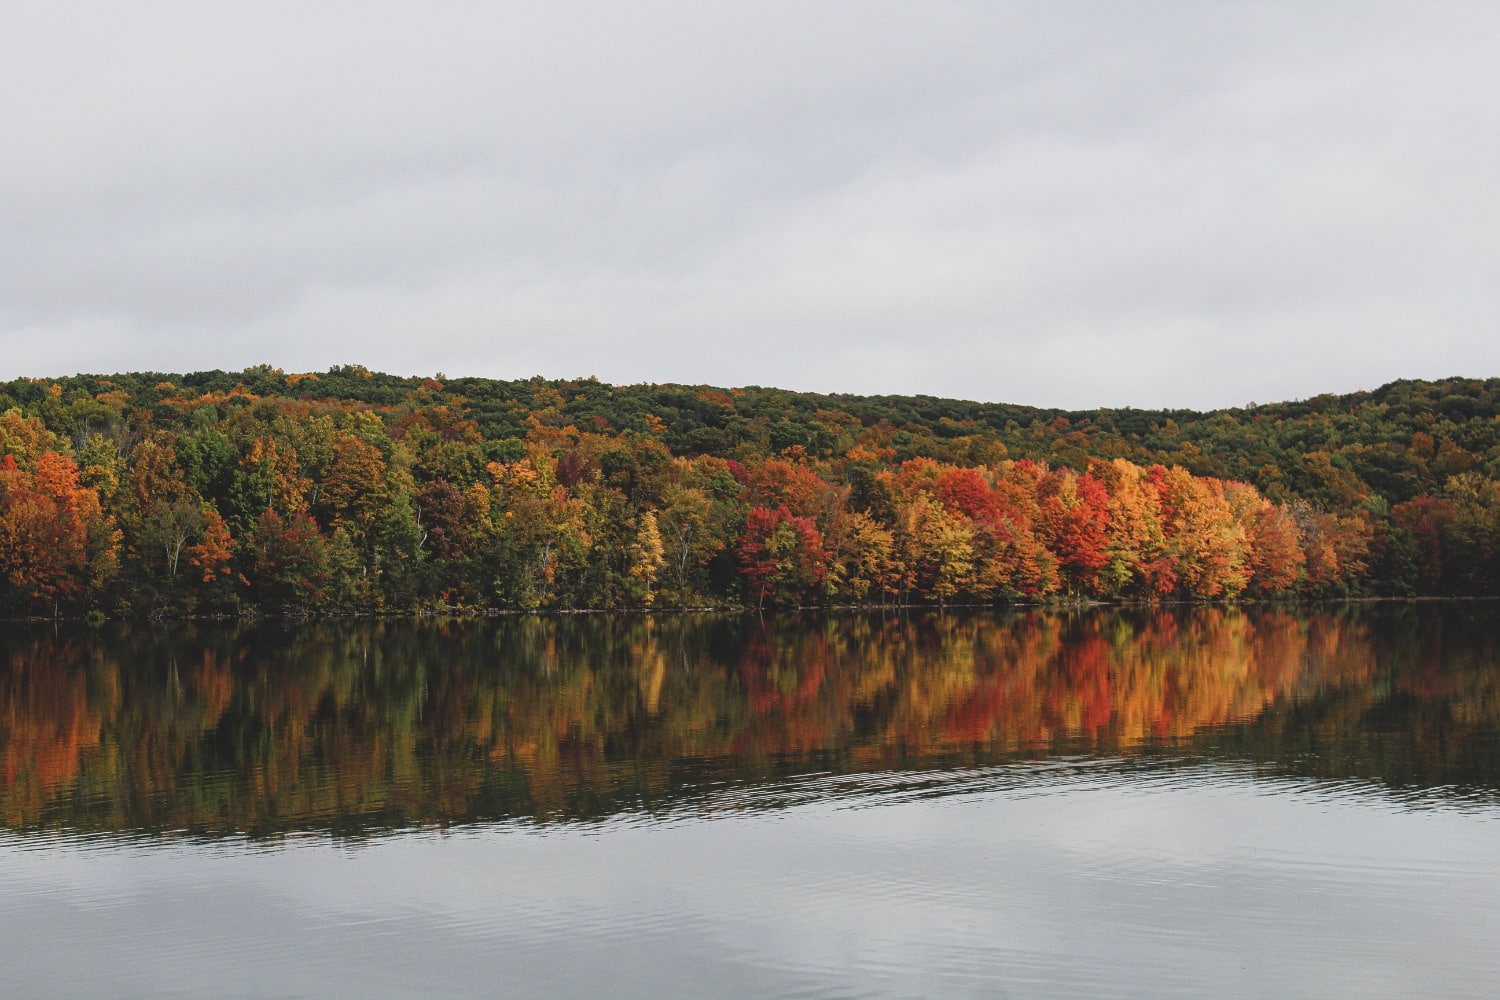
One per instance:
(355,491)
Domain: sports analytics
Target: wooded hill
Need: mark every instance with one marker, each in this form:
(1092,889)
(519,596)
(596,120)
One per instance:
(350,490)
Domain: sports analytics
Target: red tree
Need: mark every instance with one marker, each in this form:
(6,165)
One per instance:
(781,555)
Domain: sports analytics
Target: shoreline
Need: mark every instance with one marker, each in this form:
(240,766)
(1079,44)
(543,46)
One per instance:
(98,620)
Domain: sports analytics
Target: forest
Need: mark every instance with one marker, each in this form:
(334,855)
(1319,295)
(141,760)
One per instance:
(263,492)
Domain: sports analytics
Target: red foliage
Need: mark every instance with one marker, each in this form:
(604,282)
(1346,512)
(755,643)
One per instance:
(965,492)
(781,484)
(1424,518)
(782,555)
(1075,511)
(1276,557)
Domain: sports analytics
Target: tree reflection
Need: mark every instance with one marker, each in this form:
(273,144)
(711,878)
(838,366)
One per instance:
(369,725)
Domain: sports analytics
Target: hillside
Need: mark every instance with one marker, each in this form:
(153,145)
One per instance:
(351,490)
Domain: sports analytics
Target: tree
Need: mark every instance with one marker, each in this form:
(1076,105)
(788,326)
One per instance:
(777,483)
(647,556)
(1334,546)
(1205,543)
(354,490)
(781,556)
(212,554)
(57,545)
(166,529)
(1473,530)
(273,478)
(24,438)
(685,527)
(1424,522)
(291,561)
(1274,546)
(1276,555)
(1075,521)
(1135,538)
(863,564)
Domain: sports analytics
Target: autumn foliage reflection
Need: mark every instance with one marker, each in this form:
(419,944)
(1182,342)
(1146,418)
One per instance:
(362,726)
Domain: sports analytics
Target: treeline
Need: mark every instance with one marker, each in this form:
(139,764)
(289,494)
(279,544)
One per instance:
(350,491)
(354,726)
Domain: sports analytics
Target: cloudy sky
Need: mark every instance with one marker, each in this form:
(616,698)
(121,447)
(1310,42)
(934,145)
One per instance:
(1188,204)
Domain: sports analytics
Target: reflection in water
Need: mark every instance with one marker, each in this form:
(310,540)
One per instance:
(362,726)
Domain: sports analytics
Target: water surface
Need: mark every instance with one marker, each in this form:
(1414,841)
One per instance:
(1129,803)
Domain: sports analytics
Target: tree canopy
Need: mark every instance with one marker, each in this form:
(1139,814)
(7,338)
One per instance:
(354,491)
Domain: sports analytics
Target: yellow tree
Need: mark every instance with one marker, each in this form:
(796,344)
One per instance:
(354,490)
(1204,539)
(276,477)
(1135,537)
(863,561)
(936,547)
(647,556)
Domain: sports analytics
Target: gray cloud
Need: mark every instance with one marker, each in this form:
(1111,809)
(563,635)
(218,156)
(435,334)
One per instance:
(1061,204)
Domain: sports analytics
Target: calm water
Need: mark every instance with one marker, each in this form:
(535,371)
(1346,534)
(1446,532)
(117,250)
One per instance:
(1136,803)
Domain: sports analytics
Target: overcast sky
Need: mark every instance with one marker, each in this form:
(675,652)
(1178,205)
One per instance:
(1189,204)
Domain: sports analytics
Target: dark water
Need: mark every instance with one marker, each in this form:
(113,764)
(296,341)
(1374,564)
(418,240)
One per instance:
(1123,803)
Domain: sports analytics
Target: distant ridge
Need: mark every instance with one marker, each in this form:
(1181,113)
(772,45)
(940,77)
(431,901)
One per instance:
(1366,434)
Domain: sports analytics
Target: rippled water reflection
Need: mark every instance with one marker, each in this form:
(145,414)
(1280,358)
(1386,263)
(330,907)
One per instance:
(1117,803)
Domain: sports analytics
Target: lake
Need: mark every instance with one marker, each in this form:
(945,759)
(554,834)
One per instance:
(1116,802)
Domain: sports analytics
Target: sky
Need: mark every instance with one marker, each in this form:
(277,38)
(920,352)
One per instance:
(1077,204)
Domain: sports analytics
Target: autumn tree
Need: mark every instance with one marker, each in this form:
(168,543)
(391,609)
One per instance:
(1423,522)
(354,489)
(863,564)
(1473,531)
(1136,544)
(290,561)
(1075,520)
(1275,558)
(1207,547)
(781,555)
(647,556)
(57,545)
(936,549)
